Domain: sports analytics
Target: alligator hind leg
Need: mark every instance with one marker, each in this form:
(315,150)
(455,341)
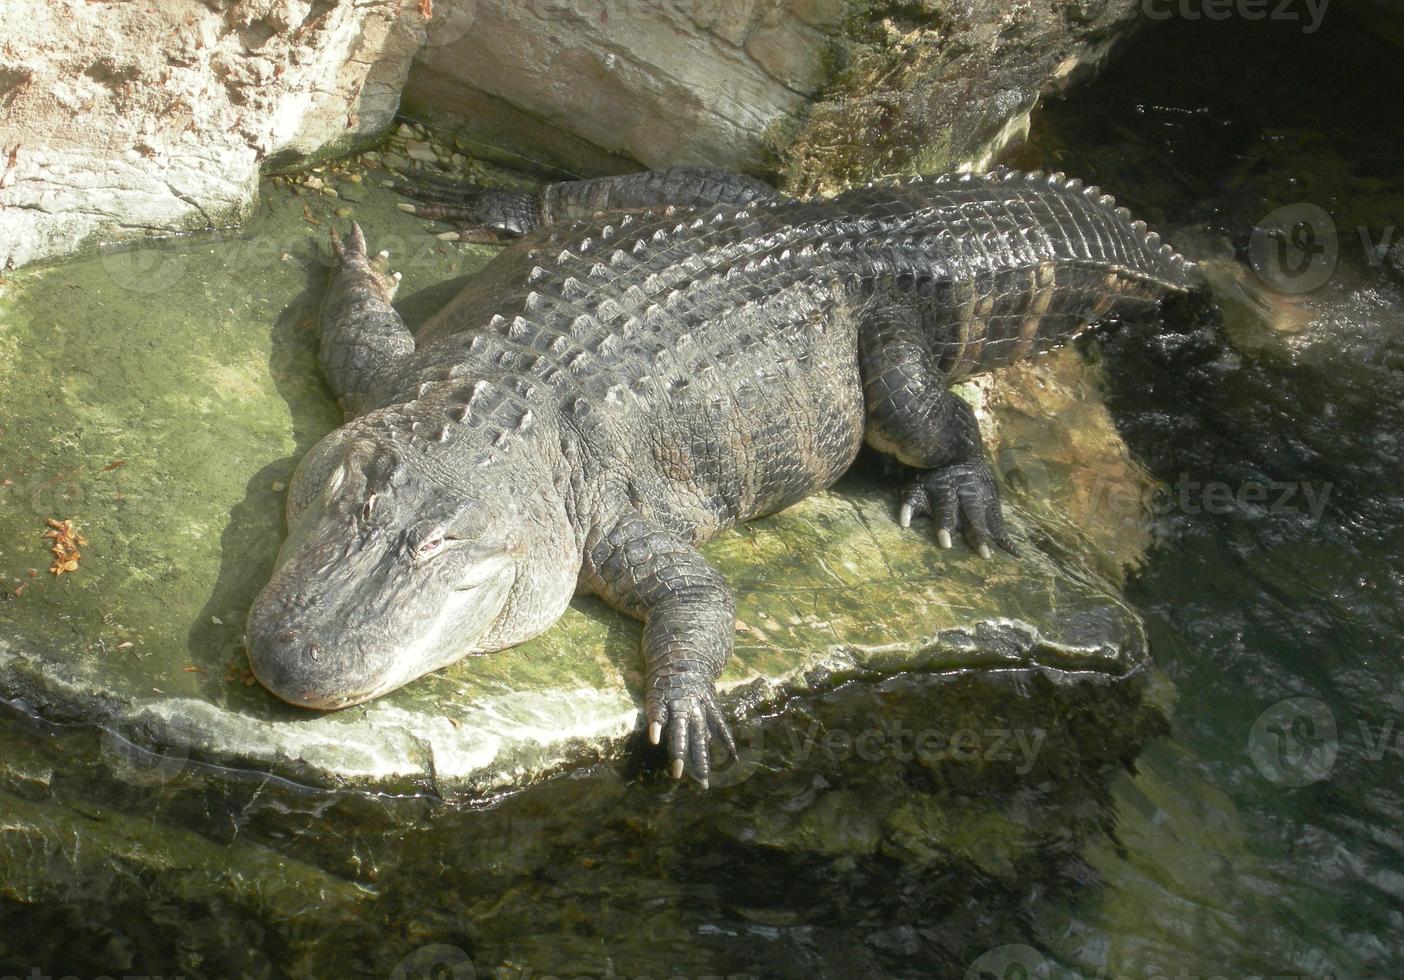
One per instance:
(689,623)
(913,416)
(362,334)
(485,215)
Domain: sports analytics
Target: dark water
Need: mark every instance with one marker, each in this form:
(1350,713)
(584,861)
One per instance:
(1236,815)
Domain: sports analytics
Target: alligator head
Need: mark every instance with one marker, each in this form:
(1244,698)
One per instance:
(391,570)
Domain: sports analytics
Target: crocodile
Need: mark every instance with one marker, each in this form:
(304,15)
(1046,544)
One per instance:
(652,359)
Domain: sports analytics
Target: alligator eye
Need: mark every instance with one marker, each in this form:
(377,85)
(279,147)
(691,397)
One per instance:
(431,545)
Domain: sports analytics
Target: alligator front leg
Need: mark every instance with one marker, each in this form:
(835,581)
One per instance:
(485,215)
(362,334)
(913,416)
(689,620)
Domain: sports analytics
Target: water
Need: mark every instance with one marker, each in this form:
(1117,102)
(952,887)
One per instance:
(1254,833)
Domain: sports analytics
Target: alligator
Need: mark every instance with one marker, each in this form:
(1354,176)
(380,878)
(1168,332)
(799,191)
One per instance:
(652,359)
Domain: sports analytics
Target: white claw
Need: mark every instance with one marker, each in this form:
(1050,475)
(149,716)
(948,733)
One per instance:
(943,538)
(985,551)
(704,783)
(407,208)
(655,731)
(904,516)
(677,768)
(382,254)
(397,276)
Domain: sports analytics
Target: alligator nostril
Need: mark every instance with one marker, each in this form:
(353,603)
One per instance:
(314,651)
(286,636)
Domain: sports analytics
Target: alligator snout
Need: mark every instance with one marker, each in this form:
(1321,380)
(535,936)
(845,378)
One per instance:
(298,669)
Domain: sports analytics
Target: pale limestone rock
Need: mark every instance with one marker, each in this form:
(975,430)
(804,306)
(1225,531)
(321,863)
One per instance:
(123,119)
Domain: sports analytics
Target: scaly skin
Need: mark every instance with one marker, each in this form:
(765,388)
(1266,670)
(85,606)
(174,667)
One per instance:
(614,390)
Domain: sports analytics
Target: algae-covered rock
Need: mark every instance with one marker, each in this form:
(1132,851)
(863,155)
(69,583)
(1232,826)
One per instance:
(942,85)
(159,398)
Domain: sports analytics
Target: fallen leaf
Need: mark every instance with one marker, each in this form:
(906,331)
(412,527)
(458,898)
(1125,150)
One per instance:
(307,215)
(426,9)
(115,464)
(66,540)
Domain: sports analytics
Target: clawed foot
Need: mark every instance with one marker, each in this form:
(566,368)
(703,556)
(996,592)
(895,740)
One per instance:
(683,709)
(961,496)
(351,257)
(482,215)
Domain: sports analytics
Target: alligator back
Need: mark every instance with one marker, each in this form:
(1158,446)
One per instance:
(725,339)
(1009,264)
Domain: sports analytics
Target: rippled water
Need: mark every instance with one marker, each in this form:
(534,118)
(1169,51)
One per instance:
(1254,832)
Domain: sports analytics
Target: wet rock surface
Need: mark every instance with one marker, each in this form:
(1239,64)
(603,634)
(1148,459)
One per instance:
(163,415)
